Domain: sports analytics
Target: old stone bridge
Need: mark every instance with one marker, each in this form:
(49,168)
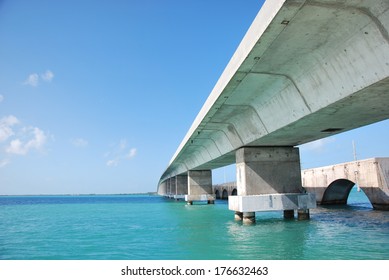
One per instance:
(332,184)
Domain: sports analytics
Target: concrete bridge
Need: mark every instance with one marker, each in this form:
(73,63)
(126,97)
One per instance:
(305,69)
(332,184)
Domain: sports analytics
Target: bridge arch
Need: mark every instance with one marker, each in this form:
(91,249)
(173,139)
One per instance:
(225,194)
(234,192)
(217,194)
(337,192)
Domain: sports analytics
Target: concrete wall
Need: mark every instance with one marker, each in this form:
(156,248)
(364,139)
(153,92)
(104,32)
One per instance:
(371,175)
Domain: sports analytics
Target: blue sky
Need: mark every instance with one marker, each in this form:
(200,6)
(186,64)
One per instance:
(95,96)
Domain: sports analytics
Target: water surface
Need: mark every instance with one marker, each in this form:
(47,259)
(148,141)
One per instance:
(141,227)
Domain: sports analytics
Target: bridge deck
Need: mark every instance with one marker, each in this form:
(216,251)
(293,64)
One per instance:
(304,70)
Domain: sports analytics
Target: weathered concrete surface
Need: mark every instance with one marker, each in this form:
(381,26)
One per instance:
(181,184)
(332,184)
(272,202)
(200,186)
(268,170)
(162,190)
(269,179)
(305,70)
(173,186)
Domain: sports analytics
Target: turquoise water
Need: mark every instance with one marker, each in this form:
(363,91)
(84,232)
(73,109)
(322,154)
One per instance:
(151,227)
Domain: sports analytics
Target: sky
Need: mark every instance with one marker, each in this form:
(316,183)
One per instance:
(96,96)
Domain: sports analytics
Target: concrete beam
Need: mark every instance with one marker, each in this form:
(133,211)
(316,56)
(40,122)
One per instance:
(272,202)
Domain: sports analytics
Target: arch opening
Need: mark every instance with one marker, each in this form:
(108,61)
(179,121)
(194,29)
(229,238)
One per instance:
(225,194)
(217,194)
(337,192)
(234,192)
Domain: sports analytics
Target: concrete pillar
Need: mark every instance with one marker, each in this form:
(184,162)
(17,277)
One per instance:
(249,218)
(168,187)
(200,186)
(172,187)
(238,216)
(269,179)
(181,183)
(268,170)
(162,190)
(199,182)
(288,214)
(303,214)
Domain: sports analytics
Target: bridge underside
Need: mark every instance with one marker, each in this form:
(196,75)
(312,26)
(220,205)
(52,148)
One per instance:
(314,69)
(304,70)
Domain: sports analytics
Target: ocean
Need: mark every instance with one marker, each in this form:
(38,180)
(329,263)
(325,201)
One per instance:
(147,227)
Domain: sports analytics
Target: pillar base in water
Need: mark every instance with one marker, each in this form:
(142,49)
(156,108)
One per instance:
(209,199)
(303,214)
(288,214)
(238,216)
(249,218)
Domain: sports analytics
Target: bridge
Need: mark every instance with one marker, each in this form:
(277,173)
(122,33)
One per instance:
(304,70)
(332,184)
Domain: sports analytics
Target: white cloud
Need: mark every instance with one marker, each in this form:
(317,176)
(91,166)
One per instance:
(1,98)
(17,140)
(16,147)
(132,153)
(119,153)
(34,78)
(79,142)
(112,162)
(19,147)
(47,76)
(38,141)
(6,124)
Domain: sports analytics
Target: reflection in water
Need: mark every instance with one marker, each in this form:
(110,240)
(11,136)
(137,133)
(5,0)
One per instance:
(353,231)
(271,237)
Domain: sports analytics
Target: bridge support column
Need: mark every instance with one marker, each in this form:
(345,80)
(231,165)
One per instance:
(303,214)
(249,218)
(200,186)
(246,217)
(172,187)
(238,216)
(269,179)
(162,190)
(288,214)
(181,187)
(168,188)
